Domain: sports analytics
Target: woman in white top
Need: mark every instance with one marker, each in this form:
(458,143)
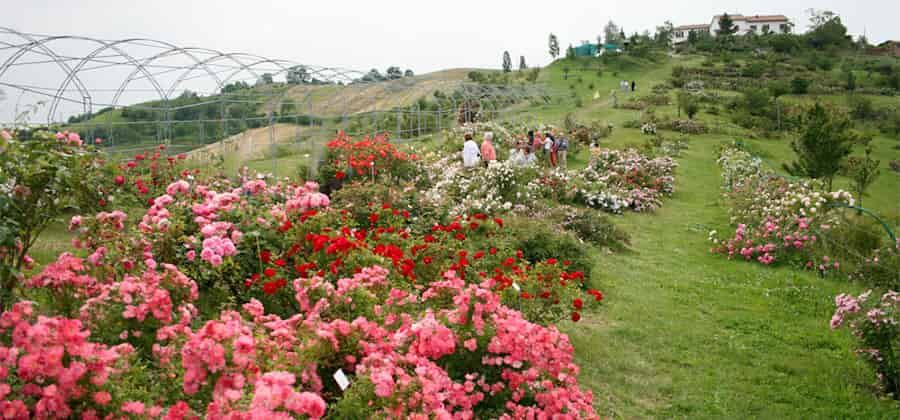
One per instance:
(471,155)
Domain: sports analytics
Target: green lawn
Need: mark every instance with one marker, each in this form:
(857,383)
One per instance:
(685,333)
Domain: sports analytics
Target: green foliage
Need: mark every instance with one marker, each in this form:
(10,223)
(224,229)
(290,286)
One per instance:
(754,69)
(862,170)
(540,241)
(688,104)
(851,81)
(595,228)
(799,86)
(828,31)
(824,141)
(881,268)
(42,179)
(779,88)
(784,43)
(554,46)
(861,107)
(726,26)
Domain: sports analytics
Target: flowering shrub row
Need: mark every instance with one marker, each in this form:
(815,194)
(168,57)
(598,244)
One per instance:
(257,300)
(776,219)
(614,181)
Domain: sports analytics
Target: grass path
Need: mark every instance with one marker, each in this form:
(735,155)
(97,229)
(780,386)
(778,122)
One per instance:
(685,333)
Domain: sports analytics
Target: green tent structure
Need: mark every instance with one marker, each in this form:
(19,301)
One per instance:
(586,50)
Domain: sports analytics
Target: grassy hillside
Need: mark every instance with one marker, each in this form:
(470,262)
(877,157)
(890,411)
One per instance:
(333,100)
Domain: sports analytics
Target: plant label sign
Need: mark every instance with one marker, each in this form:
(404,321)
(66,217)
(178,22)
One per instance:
(341,379)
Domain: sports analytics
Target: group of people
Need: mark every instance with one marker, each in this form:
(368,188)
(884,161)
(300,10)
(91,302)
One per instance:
(552,147)
(623,84)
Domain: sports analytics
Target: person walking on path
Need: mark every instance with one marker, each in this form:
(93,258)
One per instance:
(488,153)
(470,153)
(562,146)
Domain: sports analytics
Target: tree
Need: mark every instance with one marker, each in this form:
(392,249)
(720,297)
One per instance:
(554,46)
(297,75)
(522,65)
(408,73)
(825,139)
(507,62)
(393,72)
(265,79)
(784,43)
(663,36)
(862,170)
(818,18)
(570,52)
(688,104)
(372,76)
(692,37)
(726,26)
(851,81)
(611,33)
(826,29)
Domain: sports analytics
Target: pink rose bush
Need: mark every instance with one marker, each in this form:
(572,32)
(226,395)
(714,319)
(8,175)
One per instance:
(49,368)
(874,324)
(777,219)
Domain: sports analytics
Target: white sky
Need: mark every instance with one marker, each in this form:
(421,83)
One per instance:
(422,35)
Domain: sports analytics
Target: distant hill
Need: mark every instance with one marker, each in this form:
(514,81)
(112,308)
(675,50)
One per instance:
(331,100)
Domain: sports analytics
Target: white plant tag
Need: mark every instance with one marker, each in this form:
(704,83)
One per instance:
(516,286)
(341,379)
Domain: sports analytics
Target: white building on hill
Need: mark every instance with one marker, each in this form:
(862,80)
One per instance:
(758,24)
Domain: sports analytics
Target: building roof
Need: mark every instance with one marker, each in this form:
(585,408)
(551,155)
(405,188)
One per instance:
(767,18)
(733,17)
(689,27)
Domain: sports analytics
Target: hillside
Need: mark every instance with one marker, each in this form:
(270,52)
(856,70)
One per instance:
(330,100)
(251,144)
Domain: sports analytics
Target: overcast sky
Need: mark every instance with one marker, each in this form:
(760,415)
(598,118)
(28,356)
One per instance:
(422,35)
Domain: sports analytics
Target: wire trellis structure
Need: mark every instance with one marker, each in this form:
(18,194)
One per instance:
(136,92)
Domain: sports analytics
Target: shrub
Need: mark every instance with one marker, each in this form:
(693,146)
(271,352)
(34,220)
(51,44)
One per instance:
(874,325)
(880,268)
(595,228)
(861,108)
(40,180)
(799,86)
(540,242)
(824,141)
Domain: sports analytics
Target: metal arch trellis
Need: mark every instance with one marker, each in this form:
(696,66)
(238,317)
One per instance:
(167,67)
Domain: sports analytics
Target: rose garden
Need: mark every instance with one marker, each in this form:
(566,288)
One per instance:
(393,282)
